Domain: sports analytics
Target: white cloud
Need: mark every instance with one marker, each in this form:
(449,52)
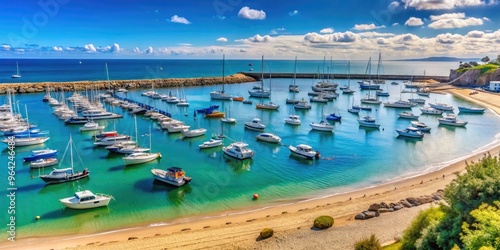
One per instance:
(448,38)
(252,14)
(276,31)
(221,39)
(326,31)
(414,21)
(393,6)
(293,13)
(90,48)
(184,44)
(371,26)
(395,24)
(57,48)
(115,48)
(136,50)
(345,37)
(179,19)
(149,50)
(453,20)
(486,19)
(6,47)
(443,4)
(475,34)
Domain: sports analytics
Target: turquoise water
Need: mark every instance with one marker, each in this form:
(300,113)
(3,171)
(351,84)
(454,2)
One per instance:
(354,157)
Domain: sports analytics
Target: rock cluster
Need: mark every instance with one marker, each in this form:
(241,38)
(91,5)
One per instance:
(126,84)
(473,77)
(376,209)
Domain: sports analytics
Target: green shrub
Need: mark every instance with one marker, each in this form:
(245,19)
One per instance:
(323,222)
(420,227)
(371,243)
(266,233)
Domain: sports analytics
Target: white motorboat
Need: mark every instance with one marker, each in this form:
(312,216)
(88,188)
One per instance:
(86,200)
(193,132)
(322,126)
(417,100)
(255,125)
(175,127)
(92,113)
(410,132)
(293,120)
(138,158)
(20,142)
(451,120)
(408,115)
(400,104)
(110,140)
(304,151)
(212,143)
(173,176)
(238,150)
(431,111)
(420,126)
(41,163)
(368,122)
(268,137)
(441,106)
(91,126)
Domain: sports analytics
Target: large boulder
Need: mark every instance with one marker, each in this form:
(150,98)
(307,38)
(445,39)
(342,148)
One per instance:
(374,207)
(323,222)
(384,205)
(397,207)
(371,214)
(405,203)
(413,201)
(425,199)
(385,210)
(360,216)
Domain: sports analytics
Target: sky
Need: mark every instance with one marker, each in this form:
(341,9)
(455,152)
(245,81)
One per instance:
(277,29)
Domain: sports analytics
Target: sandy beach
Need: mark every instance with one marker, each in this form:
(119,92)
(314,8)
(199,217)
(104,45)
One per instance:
(291,222)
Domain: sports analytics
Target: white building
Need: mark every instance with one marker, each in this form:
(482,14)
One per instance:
(495,86)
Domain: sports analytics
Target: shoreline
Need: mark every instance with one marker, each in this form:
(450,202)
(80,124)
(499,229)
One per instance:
(338,205)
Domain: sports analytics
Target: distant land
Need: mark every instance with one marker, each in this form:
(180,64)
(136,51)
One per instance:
(441,59)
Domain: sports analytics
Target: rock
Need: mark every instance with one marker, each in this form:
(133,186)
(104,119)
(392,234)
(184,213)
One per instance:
(30,90)
(391,205)
(370,214)
(413,201)
(266,233)
(425,199)
(360,216)
(397,207)
(132,238)
(374,207)
(385,210)
(384,205)
(405,203)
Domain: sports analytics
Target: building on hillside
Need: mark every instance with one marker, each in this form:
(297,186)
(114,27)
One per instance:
(495,86)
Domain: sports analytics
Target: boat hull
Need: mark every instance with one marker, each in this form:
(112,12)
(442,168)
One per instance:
(76,176)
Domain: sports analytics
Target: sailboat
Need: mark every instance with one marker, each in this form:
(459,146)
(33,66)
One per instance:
(19,142)
(260,92)
(370,99)
(270,105)
(348,90)
(65,174)
(182,101)
(228,118)
(293,87)
(379,65)
(17,74)
(322,125)
(128,147)
(141,157)
(221,95)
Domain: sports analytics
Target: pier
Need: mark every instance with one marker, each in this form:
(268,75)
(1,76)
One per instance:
(416,78)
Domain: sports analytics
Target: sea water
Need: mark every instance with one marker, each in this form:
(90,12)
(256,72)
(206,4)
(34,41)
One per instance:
(353,157)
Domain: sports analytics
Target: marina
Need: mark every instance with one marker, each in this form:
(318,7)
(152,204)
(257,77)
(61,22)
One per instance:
(350,145)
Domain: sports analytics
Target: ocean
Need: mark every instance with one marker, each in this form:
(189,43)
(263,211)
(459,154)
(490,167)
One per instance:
(352,157)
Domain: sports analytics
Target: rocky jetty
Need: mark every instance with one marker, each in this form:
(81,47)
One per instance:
(126,84)
(379,208)
(473,77)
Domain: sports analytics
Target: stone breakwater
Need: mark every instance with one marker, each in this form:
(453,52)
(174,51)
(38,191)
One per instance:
(126,84)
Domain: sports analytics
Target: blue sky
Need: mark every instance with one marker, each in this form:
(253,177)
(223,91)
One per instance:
(247,29)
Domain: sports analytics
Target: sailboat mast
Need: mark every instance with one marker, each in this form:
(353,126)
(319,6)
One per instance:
(223,63)
(135,123)
(107,76)
(71,150)
(17,68)
(295,72)
(262,75)
(27,119)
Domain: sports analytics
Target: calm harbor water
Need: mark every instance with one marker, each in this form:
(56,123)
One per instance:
(353,157)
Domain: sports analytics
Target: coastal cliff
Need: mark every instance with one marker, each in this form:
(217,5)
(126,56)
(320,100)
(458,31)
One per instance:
(473,77)
(126,84)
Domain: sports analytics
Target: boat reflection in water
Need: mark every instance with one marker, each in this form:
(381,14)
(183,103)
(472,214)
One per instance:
(238,166)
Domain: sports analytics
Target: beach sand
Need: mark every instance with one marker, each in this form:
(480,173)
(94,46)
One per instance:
(292,223)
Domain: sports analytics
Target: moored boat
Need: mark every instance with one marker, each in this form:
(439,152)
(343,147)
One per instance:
(471,110)
(138,158)
(410,132)
(173,176)
(420,126)
(212,143)
(255,124)
(304,151)
(41,163)
(408,115)
(293,120)
(40,154)
(238,150)
(368,122)
(431,111)
(441,106)
(193,132)
(268,137)
(451,120)
(86,200)
(322,126)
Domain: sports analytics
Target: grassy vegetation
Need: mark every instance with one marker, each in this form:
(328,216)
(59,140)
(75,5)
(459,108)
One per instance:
(484,68)
(395,246)
(323,222)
